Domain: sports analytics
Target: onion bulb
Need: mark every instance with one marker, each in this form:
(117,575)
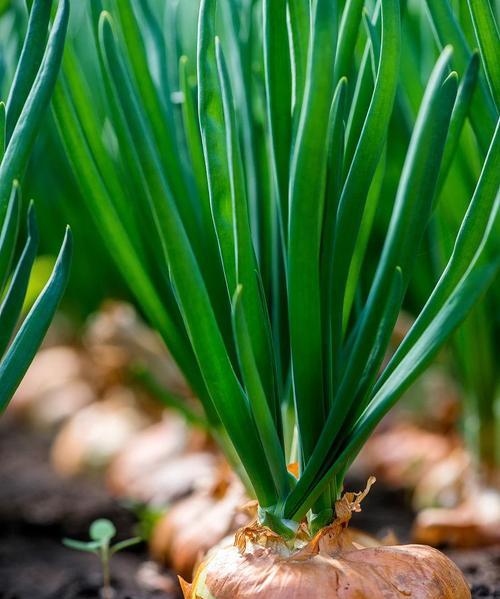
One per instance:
(152,447)
(402,455)
(55,387)
(162,463)
(195,524)
(91,438)
(474,523)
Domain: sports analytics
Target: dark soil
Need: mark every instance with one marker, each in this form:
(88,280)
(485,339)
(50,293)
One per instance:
(482,570)
(40,568)
(38,509)
(384,511)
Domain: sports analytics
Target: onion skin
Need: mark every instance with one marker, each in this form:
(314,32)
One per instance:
(195,524)
(332,572)
(403,455)
(115,337)
(56,386)
(149,450)
(475,523)
(176,479)
(93,436)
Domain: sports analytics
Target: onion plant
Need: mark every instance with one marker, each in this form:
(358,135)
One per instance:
(20,118)
(237,194)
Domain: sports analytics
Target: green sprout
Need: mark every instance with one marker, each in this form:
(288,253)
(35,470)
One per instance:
(101,533)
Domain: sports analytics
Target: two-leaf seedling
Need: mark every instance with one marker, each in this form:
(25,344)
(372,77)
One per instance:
(101,533)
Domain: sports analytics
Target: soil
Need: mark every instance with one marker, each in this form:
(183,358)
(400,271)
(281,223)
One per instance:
(38,509)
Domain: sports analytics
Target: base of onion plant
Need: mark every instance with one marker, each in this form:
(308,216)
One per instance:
(243,223)
(261,564)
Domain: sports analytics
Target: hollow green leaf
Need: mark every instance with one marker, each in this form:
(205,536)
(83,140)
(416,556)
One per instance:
(246,264)
(414,201)
(29,61)
(195,148)
(486,30)
(277,62)
(11,305)
(459,115)
(332,195)
(30,335)
(151,100)
(348,33)
(211,115)
(104,213)
(8,234)
(306,190)
(23,135)
(3,130)
(453,313)
(258,401)
(300,25)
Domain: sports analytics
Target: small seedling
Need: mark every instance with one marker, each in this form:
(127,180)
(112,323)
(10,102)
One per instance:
(101,533)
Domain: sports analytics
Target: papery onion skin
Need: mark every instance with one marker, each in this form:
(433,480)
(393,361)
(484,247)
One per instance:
(194,525)
(414,571)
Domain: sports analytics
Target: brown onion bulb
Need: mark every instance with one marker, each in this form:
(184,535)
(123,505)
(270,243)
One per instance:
(176,479)
(335,571)
(446,483)
(402,455)
(55,387)
(93,436)
(152,447)
(196,524)
(116,336)
(474,523)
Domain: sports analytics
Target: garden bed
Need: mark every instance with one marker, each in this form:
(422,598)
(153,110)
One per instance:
(37,509)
